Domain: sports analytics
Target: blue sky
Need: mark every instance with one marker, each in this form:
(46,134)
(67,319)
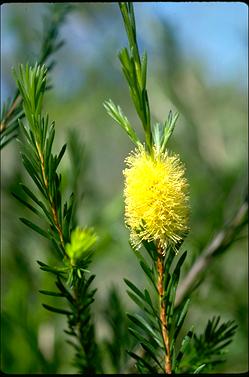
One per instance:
(213,32)
(216,32)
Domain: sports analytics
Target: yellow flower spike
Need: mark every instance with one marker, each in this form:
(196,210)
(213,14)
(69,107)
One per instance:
(156,198)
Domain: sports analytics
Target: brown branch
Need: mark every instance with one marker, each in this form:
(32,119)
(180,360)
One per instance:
(220,243)
(160,287)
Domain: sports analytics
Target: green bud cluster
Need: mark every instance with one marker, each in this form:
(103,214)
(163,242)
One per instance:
(82,240)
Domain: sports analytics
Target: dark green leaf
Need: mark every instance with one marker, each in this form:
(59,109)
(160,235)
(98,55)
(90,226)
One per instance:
(185,342)
(148,271)
(55,270)
(64,291)
(141,323)
(180,318)
(147,347)
(137,301)
(134,289)
(36,228)
(150,247)
(49,293)
(56,310)
(21,200)
(63,149)
(144,362)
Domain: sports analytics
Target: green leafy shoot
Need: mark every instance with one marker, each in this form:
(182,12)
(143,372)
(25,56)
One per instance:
(116,113)
(162,132)
(207,350)
(73,246)
(146,326)
(135,71)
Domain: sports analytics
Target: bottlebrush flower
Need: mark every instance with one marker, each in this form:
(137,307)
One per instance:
(156,197)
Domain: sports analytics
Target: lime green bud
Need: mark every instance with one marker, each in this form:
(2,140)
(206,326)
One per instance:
(82,240)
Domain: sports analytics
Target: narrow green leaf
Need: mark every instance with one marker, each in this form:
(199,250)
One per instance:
(170,306)
(152,345)
(181,317)
(148,272)
(216,350)
(154,340)
(26,204)
(12,126)
(144,69)
(86,305)
(74,345)
(147,347)
(59,248)
(116,113)
(49,142)
(64,291)
(199,369)
(180,262)
(31,165)
(44,130)
(144,362)
(173,281)
(148,298)
(68,216)
(56,310)
(33,174)
(185,342)
(61,154)
(55,270)
(170,255)
(37,201)
(5,141)
(135,298)
(150,247)
(168,129)
(89,281)
(134,289)
(50,293)
(36,228)
(140,322)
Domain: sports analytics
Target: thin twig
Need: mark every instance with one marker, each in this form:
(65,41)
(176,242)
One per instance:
(160,287)
(220,243)
(9,113)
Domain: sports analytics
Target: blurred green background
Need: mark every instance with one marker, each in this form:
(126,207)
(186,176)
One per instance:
(197,65)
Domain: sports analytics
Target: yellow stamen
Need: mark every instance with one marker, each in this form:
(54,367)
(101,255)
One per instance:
(156,198)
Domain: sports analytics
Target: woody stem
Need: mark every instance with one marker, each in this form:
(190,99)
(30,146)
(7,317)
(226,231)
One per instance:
(160,287)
